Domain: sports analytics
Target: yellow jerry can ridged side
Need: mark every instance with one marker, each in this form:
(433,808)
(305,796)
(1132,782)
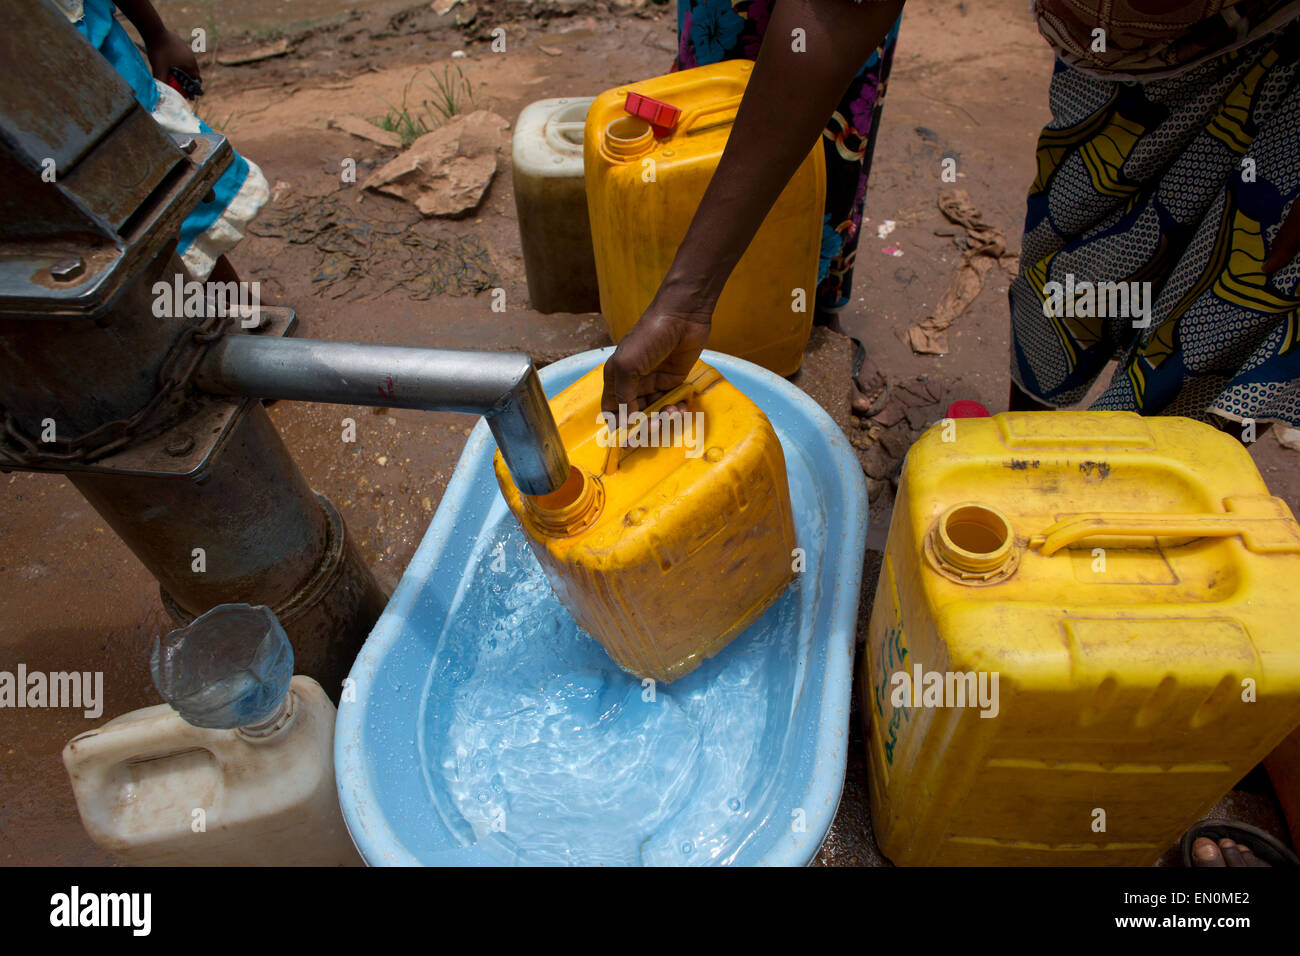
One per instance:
(642,193)
(664,554)
(1131,583)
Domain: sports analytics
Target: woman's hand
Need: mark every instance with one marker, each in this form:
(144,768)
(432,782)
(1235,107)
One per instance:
(167,50)
(164,48)
(657,354)
(789,96)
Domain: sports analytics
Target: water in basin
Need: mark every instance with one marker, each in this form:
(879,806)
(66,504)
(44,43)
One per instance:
(538,748)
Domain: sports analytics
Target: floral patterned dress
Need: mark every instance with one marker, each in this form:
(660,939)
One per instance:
(709,31)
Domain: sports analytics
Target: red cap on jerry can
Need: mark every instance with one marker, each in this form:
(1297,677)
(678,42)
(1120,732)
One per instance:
(966,408)
(660,115)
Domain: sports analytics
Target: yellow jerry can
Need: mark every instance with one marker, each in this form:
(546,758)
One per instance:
(643,187)
(1084,634)
(674,532)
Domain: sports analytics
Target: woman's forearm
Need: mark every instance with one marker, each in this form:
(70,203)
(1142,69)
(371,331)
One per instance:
(144,18)
(789,98)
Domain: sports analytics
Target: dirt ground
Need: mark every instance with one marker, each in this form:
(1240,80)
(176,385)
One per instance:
(969,82)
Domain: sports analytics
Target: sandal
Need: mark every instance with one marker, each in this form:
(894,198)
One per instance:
(1264,845)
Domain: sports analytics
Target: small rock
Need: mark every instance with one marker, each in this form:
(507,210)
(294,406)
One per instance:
(895,443)
(252,55)
(920,416)
(446,172)
(892,414)
(578,23)
(874,487)
(360,128)
(878,463)
(1288,438)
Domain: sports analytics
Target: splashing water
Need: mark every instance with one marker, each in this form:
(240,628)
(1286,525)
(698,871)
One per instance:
(538,747)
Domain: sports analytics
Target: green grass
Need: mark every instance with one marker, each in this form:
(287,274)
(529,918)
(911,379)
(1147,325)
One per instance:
(408,127)
(449,94)
(452,92)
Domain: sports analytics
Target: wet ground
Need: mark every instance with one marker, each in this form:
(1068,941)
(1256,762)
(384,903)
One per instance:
(970,81)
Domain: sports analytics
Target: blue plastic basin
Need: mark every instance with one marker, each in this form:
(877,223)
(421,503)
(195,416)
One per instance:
(400,768)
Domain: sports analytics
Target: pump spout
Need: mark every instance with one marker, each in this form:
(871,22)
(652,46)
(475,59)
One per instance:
(502,386)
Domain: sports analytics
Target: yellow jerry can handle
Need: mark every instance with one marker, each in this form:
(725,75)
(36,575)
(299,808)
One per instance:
(695,120)
(701,377)
(1264,523)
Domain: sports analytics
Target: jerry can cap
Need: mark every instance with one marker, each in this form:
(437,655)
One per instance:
(661,116)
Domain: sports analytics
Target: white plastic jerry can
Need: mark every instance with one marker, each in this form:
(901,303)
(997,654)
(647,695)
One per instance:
(551,201)
(156,790)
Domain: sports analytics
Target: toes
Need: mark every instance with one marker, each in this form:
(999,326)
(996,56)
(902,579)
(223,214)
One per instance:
(1250,858)
(1206,853)
(1231,854)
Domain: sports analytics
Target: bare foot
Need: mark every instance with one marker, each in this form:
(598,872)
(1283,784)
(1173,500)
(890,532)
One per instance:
(1205,852)
(870,388)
